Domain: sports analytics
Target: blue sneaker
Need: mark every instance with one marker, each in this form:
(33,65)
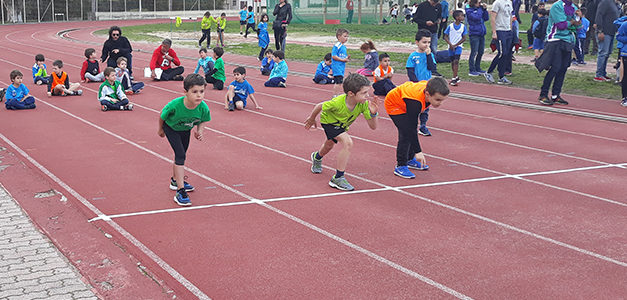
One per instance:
(404,172)
(182,199)
(473,74)
(188,187)
(414,164)
(424,131)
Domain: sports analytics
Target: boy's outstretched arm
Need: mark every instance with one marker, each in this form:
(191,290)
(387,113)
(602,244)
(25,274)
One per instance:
(311,121)
(160,131)
(257,106)
(373,106)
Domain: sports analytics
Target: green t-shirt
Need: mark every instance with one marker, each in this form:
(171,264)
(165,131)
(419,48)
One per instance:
(181,118)
(335,112)
(219,65)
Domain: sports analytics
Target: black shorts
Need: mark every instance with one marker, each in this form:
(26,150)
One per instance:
(338,79)
(242,22)
(179,141)
(237,97)
(456,57)
(332,131)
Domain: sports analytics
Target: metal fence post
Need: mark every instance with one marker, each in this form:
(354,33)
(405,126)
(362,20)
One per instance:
(2,9)
(67,11)
(38,13)
(53,17)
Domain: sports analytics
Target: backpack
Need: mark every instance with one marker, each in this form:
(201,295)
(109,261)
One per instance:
(540,32)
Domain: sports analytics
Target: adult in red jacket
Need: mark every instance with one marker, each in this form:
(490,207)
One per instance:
(163,57)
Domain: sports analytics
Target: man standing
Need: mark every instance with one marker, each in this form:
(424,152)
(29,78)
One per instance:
(428,16)
(591,13)
(349,8)
(501,20)
(607,12)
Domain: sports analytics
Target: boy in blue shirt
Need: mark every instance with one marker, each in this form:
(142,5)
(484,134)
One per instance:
(581,37)
(242,19)
(455,35)
(322,75)
(267,63)
(177,120)
(205,61)
(238,91)
(250,20)
(17,94)
(340,57)
(40,74)
(279,72)
(419,65)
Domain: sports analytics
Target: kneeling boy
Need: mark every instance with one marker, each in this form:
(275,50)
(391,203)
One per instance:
(337,115)
(404,104)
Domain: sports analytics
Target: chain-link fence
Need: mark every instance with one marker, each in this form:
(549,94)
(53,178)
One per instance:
(335,11)
(22,11)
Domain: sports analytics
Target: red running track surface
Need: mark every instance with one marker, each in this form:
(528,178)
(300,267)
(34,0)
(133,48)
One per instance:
(517,204)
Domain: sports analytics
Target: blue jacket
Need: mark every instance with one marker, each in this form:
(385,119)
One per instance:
(264,38)
(621,35)
(279,70)
(322,69)
(476,16)
(444,9)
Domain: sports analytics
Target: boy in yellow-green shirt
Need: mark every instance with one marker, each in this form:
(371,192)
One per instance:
(205,26)
(336,116)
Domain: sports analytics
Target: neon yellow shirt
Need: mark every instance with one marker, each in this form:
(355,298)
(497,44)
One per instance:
(335,112)
(207,23)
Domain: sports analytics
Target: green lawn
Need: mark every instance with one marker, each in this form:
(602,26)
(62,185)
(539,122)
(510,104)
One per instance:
(525,76)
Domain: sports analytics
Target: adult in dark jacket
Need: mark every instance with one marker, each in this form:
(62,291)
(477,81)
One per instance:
(476,16)
(282,17)
(607,12)
(115,47)
(428,16)
(591,13)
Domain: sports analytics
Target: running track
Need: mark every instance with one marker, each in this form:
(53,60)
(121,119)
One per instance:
(517,204)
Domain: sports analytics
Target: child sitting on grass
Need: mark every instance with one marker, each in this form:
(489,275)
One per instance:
(177,120)
(17,94)
(279,72)
(336,115)
(123,76)
(91,68)
(59,82)
(238,91)
(322,75)
(371,58)
(111,94)
(267,63)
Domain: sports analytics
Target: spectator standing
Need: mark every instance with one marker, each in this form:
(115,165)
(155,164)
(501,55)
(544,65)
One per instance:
(607,12)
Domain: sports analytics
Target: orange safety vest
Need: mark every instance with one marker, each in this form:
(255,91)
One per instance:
(56,80)
(394,101)
(382,73)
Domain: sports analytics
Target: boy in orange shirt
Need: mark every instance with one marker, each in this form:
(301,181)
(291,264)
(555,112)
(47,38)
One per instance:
(404,104)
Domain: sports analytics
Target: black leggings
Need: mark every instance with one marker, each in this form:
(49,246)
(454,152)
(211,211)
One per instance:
(262,52)
(169,74)
(248,26)
(407,125)
(179,140)
(206,34)
(279,40)
(623,80)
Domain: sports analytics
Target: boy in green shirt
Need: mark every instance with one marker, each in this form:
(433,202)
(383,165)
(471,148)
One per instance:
(337,115)
(111,94)
(217,76)
(177,120)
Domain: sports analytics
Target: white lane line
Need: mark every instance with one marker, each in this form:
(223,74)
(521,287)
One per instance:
(153,256)
(188,284)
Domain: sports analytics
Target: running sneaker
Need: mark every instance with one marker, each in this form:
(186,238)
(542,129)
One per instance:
(78,92)
(282,84)
(488,77)
(340,184)
(545,100)
(624,102)
(504,80)
(455,81)
(414,164)
(188,187)
(423,130)
(128,106)
(474,74)
(231,106)
(181,198)
(316,164)
(482,71)
(599,79)
(104,108)
(559,100)
(404,172)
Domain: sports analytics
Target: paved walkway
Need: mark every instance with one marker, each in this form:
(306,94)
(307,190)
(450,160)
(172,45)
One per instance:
(31,267)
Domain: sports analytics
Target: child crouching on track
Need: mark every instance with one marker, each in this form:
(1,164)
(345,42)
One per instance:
(322,75)
(177,120)
(336,117)
(404,104)
(59,82)
(17,94)
(238,91)
(111,94)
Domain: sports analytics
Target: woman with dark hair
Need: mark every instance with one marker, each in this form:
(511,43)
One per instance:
(115,47)
(283,16)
